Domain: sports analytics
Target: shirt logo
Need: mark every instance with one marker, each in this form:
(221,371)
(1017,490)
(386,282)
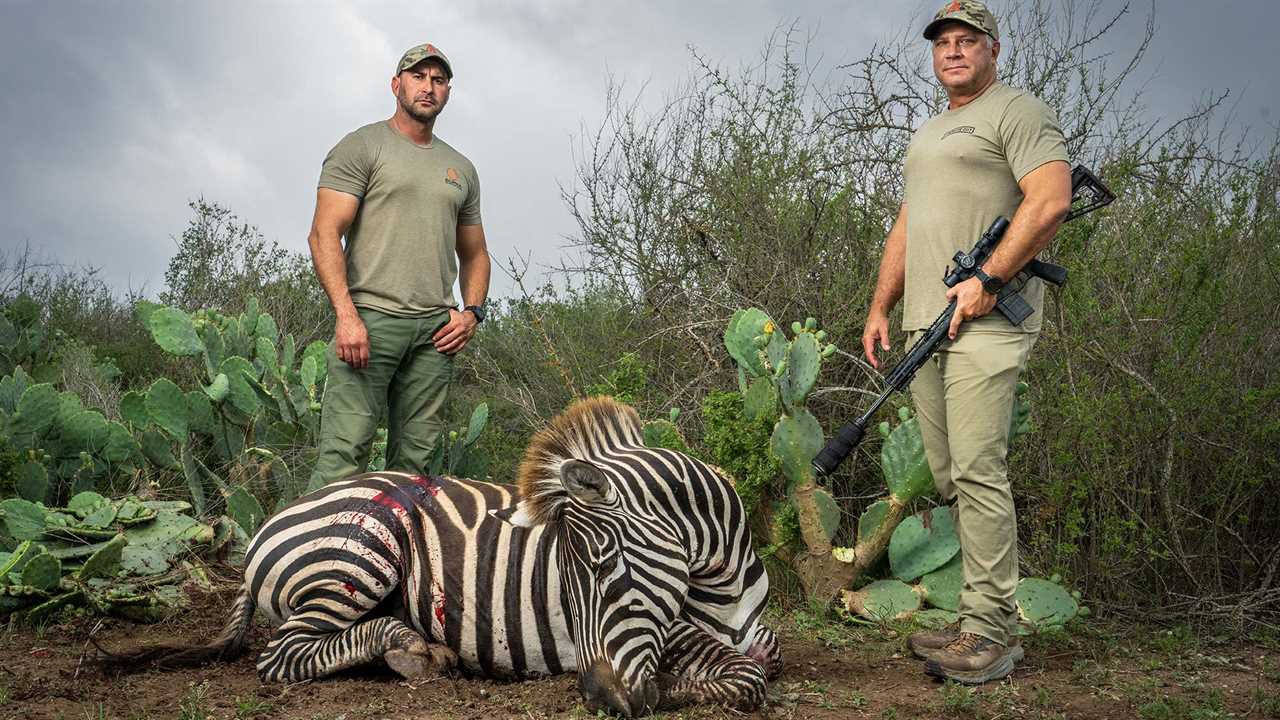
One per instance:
(966,129)
(451,177)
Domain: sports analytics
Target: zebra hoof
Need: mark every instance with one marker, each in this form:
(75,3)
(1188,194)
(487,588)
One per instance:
(434,661)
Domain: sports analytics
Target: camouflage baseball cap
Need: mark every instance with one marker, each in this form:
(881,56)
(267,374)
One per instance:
(970,12)
(418,53)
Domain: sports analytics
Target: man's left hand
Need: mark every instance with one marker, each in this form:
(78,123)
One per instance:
(971,302)
(454,335)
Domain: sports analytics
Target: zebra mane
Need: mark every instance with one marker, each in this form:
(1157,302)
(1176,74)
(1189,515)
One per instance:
(588,429)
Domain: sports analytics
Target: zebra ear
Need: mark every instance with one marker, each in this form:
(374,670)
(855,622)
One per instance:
(586,483)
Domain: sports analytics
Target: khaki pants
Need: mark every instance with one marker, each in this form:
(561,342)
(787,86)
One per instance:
(406,377)
(964,399)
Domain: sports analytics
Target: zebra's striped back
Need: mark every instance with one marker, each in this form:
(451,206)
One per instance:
(487,589)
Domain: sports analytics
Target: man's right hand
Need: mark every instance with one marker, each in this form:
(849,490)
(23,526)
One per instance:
(877,330)
(351,341)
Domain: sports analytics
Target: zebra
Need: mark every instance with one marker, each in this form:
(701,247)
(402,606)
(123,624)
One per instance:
(632,566)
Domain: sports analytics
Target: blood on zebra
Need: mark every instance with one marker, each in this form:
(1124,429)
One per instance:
(430,484)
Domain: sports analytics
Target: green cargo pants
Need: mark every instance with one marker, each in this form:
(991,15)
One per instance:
(964,400)
(406,376)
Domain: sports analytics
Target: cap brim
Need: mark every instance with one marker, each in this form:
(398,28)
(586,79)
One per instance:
(931,30)
(448,69)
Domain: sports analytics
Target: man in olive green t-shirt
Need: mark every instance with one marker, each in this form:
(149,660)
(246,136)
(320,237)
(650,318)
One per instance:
(408,205)
(994,151)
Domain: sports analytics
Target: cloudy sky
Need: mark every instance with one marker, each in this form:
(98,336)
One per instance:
(116,113)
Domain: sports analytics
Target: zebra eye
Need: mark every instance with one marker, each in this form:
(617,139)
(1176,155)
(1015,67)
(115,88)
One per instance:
(606,565)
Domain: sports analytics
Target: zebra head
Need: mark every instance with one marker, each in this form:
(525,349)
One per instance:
(624,572)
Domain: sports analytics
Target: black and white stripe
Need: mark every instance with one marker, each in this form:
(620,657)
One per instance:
(631,565)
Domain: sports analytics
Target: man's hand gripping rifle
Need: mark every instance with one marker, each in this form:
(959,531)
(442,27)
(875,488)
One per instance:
(1087,194)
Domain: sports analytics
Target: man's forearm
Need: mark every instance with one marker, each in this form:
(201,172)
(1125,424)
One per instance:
(473,278)
(331,269)
(1031,230)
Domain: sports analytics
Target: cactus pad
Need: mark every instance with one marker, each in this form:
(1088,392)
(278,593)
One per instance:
(32,482)
(42,572)
(906,470)
(739,339)
(916,549)
(828,512)
(480,418)
(133,409)
(37,411)
(167,406)
(1043,604)
(23,519)
(796,439)
(942,586)
(872,518)
(883,600)
(761,399)
(174,332)
(802,367)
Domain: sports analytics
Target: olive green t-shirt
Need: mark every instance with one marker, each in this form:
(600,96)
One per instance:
(401,248)
(962,171)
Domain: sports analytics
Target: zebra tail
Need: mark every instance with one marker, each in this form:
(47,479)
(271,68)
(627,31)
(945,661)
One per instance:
(229,645)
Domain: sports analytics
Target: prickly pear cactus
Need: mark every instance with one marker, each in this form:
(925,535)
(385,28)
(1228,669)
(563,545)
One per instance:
(906,470)
(941,588)
(95,552)
(923,543)
(1046,605)
(883,600)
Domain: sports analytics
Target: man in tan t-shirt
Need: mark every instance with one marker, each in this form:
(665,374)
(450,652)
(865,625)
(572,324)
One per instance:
(994,151)
(408,205)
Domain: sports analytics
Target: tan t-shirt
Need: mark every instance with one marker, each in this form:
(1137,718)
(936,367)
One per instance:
(962,171)
(401,248)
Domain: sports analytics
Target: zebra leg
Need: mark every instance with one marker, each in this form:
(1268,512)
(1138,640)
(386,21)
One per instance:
(323,637)
(766,650)
(698,668)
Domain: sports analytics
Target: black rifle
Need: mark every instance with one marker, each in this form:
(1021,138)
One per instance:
(1087,194)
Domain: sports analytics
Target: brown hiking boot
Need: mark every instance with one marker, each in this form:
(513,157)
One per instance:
(972,660)
(925,643)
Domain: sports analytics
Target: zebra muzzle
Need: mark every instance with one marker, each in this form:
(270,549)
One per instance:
(603,690)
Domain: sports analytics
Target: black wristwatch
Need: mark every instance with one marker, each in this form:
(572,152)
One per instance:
(477,310)
(990,283)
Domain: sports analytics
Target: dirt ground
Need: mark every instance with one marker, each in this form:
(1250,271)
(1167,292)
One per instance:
(834,670)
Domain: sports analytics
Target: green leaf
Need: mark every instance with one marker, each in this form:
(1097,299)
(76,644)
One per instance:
(309,370)
(174,332)
(167,405)
(266,328)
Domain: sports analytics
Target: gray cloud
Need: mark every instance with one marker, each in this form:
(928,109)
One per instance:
(115,114)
